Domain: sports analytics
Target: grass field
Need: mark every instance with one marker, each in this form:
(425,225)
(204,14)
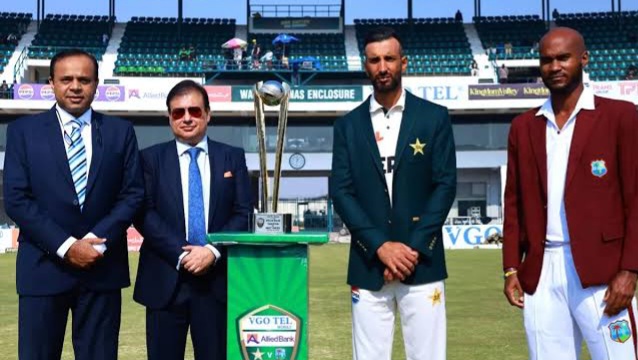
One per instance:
(481,324)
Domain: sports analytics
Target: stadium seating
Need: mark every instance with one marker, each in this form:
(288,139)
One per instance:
(520,31)
(150,46)
(11,23)
(434,46)
(612,40)
(328,49)
(69,31)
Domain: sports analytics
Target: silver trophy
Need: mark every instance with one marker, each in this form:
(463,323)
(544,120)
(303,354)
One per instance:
(271,93)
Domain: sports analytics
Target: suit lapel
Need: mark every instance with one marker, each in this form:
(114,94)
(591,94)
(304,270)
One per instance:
(585,122)
(537,134)
(367,132)
(53,134)
(216,174)
(98,150)
(173,184)
(407,122)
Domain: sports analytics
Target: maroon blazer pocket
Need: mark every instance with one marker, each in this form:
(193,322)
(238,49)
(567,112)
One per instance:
(613,231)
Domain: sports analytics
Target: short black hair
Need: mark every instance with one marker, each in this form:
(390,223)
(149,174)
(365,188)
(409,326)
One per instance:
(184,87)
(380,34)
(69,53)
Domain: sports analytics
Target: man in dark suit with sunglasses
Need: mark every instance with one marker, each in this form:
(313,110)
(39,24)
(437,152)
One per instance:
(194,186)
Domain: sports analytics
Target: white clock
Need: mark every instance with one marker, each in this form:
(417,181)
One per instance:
(297,161)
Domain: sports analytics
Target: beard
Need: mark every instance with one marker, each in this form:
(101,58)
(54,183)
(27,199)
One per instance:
(392,85)
(568,87)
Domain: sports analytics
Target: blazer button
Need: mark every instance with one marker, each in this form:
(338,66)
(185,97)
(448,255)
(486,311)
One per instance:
(389,221)
(75,202)
(386,190)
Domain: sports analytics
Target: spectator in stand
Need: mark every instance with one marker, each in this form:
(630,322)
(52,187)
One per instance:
(508,49)
(4,90)
(458,17)
(474,68)
(279,53)
(295,77)
(534,48)
(555,14)
(632,73)
(192,54)
(105,39)
(237,56)
(500,50)
(255,53)
(15,82)
(267,59)
(490,51)
(183,53)
(503,73)
(12,39)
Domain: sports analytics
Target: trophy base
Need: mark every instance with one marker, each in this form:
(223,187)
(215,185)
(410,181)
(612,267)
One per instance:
(271,223)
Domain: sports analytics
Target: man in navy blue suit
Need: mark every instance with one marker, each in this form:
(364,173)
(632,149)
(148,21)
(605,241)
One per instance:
(73,183)
(194,186)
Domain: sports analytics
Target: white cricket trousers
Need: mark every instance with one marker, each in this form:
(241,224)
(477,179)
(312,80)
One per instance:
(561,314)
(422,310)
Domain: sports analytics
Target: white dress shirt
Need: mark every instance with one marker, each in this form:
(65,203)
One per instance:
(558,145)
(386,126)
(203,163)
(64,120)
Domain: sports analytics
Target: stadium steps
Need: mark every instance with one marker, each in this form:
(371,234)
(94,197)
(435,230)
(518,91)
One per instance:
(353,55)
(25,41)
(486,68)
(107,64)
(474,39)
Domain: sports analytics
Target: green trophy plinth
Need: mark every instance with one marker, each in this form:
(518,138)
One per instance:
(267,294)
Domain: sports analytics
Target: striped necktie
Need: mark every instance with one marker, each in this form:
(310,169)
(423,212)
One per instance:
(76,153)
(196,220)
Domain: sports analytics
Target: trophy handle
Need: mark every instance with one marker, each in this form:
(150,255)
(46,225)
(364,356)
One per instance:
(279,150)
(260,122)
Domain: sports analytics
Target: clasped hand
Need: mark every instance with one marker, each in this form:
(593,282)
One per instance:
(198,260)
(400,260)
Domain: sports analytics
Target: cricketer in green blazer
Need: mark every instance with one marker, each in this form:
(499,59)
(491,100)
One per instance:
(424,187)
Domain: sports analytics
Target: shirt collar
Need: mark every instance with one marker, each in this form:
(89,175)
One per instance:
(586,101)
(375,106)
(66,118)
(182,147)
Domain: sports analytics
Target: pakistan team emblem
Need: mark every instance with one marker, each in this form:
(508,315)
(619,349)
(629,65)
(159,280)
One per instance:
(619,331)
(269,332)
(598,168)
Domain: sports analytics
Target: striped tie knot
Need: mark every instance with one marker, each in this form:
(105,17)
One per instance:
(76,131)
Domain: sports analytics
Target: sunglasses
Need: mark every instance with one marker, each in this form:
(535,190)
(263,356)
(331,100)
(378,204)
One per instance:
(193,111)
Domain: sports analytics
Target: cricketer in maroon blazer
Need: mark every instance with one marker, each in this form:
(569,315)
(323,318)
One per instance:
(602,211)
